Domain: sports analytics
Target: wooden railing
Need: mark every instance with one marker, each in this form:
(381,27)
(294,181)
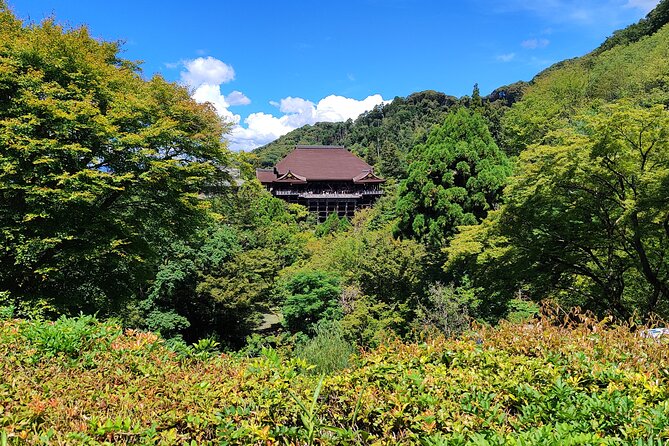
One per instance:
(333,194)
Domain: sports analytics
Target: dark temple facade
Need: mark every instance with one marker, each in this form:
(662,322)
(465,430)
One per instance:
(324,179)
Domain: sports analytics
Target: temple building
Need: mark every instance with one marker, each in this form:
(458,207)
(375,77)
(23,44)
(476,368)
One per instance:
(324,179)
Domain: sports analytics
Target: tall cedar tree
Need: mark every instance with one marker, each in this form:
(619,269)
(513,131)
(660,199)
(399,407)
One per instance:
(454,179)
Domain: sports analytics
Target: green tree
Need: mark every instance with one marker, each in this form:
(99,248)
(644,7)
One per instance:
(331,225)
(454,179)
(98,167)
(309,297)
(383,277)
(392,163)
(173,305)
(587,217)
(220,282)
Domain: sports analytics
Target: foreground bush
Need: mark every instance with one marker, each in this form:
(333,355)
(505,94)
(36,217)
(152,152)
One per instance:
(537,383)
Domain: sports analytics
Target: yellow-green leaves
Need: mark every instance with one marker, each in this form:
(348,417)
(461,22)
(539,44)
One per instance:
(93,156)
(544,382)
(585,215)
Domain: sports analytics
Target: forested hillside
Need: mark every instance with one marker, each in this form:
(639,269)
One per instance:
(585,218)
(554,189)
(384,135)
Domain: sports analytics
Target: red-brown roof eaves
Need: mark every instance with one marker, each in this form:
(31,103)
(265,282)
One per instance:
(265,175)
(322,163)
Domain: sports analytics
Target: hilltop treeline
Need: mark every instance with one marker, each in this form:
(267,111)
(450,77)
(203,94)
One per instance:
(383,136)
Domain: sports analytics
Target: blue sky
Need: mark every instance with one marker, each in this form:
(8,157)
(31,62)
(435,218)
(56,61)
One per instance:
(271,66)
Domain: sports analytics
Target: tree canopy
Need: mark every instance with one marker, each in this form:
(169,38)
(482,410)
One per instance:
(98,166)
(587,217)
(454,179)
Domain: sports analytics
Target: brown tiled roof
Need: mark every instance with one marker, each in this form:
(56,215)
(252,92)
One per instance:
(290,177)
(367,177)
(320,163)
(265,175)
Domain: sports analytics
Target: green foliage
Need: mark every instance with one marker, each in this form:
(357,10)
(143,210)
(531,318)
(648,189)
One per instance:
(98,168)
(173,290)
(309,416)
(7,312)
(597,200)
(35,309)
(369,322)
(309,297)
(383,277)
(328,351)
(522,310)
(448,310)
(454,179)
(585,219)
(654,21)
(583,223)
(393,273)
(220,281)
(636,71)
(205,348)
(71,337)
(548,382)
(332,224)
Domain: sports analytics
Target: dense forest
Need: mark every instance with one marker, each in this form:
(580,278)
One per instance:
(117,199)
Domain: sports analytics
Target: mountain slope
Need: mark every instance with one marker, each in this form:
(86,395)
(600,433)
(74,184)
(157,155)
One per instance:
(384,135)
(632,63)
(633,68)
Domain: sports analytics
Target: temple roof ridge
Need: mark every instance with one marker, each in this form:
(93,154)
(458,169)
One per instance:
(319,163)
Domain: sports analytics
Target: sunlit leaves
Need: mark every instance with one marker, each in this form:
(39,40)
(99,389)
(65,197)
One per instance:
(94,159)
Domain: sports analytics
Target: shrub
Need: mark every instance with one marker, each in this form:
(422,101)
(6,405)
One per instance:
(521,310)
(331,225)
(448,310)
(565,379)
(69,336)
(310,297)
(328,351)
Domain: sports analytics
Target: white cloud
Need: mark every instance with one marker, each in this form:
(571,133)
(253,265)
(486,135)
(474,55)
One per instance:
(205,77)
(212,94)
(338,108)
(533,44)
(237,98)
(644,5)
(262,128)
(295,105)
(506,57)
(206,70)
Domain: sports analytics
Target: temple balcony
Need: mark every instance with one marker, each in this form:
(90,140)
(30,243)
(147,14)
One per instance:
(330,195)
